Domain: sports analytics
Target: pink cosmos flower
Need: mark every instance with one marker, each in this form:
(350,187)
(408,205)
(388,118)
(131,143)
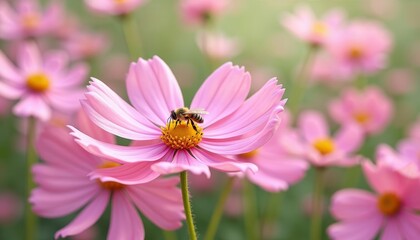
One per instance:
(114,7)
(391,209)
(277,166)
(328,71)
(201,11)
(400,81)
(84,45)
(41,83)
(305,25)
(4,106)
(353,47)
(320,149)
(27,20)
(369,108)
(404,160)
(217,45)
(414,131)
(64,187)
(232,126)
(10,207)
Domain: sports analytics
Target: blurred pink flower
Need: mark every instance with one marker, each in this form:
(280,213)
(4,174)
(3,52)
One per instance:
(217,45)
(41,83)
(405,160)
(10,207)
(370,109)
(305,25)
(201,11)
(114,7)
(353,47)
(391,210)
(327,70)
(64,187)
(400,81)
(4,106)
(233,125)
(27,20)
(277,166)
(320,149)
(84,45)
(414,131)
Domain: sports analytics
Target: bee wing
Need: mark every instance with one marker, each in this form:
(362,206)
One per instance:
(200,111)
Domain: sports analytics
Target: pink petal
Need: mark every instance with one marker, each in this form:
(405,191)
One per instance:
(54,204)
(29,58)
(384,178)
(160,201)
(57,148)
(10,92)
(87,217)
(409,224)
(75,77)
(222,92)
(33,105)
(180,161)
(313,126)
(253,115)
(66,101)
(56,179)
(89,128)
(153,89)
(55,62)
(125,221)
(129,173)
(107,110)
(349,138)
(353,204)
(222,163)
(391,231)
(360,229)
(124,154)
(7,70)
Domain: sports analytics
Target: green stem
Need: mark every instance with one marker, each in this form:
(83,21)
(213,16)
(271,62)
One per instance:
(169,235)
(187,205)
(131,36)
(251,211)
(299,84)
(316,222)
(217,214)
(271,212)
(31,159)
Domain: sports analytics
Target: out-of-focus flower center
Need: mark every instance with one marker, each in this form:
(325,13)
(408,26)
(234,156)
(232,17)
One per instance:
(319,29)
(30,21)
(249,155)
(324,146)
(181,135)
(38,82)
(110,185)
(355,52)
(389,204)
(361,118)
(118,2)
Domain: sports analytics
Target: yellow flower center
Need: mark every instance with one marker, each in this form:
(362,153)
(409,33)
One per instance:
(38,82)
(361,118)
(249,155)
(118,2)
(181,135)
(324,146)
(30,20)
(389,204)
(355,52)
(110,185)
(319,29)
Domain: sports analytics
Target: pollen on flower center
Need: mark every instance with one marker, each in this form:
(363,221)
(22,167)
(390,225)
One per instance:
(119,1)
(324,146)
(30,21)
(110,185)
(355,52)
(181,135)
(249,155)
(319,28)
(389,203)
(361,118)
(38,82)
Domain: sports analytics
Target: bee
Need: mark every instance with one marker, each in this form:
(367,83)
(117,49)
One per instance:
(189,115)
